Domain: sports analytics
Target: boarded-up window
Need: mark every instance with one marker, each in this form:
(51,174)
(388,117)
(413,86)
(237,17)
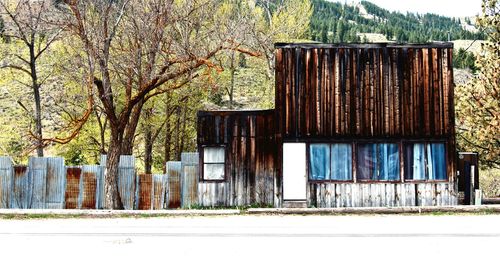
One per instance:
(330,161)
(425,161)
(213,163)
(378,162)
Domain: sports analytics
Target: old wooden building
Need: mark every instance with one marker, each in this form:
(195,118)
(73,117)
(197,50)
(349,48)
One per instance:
(353,125)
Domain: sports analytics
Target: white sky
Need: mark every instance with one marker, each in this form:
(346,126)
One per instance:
(450,8)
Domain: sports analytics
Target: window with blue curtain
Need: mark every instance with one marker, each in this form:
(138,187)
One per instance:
(319,156)
(330,161)
(425,161)
(378,162)
(341,162)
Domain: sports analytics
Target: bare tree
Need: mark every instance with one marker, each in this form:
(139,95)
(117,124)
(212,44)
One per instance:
(31,23)
(136,50)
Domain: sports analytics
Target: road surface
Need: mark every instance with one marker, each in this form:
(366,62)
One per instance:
(255,236)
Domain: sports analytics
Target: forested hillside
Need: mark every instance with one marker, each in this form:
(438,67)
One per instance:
(335,22)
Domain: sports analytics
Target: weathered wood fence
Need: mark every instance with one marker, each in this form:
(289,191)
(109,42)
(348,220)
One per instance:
(47,183)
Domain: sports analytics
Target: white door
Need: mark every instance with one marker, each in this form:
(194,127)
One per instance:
(294,171)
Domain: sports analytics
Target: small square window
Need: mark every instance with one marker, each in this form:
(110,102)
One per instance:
(213,163)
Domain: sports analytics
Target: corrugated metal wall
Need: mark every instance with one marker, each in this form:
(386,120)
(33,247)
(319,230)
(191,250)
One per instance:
(173,184)
(48,184)
(189,179)
(251,158)
(126,181)
(6,182)
(21,193)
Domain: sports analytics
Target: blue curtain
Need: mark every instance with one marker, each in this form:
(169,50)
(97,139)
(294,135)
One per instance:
(437,161)
(341,162)
(319,159)
(367,162)
(389,161)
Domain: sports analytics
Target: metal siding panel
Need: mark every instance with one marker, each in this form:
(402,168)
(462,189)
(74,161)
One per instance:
(72,195)
(173,184)
(38,170)
(56,183)
(127,181)
(98,170)
(6,182)
(189,186)
(88,190)
(21,196)
(159,191)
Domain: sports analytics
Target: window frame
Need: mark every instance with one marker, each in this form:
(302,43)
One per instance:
(426,142)
(381,141)
(308,162)
(202,163)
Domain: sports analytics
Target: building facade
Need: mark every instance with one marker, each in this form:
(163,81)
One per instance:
(353,126)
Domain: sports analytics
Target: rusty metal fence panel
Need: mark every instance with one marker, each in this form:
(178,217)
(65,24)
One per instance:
(126,181)
(47,183)
(6,180)
(189,179)
(22,186)
(144,191)
(98,172)
(72,196)
(56,183)
(173,184)
(159,191)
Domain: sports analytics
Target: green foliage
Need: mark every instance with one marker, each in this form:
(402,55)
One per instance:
(410,27)
(478,102)
(464,60)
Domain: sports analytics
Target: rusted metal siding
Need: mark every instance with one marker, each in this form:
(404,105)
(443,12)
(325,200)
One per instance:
(56,182)
(21,191)
(251,157)
(144,191)
(174,184)
(88,190)
(72,195)
(6,182)
(159,192)
(99,188)
(329,195)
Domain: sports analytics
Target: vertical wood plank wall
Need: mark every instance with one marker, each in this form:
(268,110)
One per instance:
(251,150)
(368,92)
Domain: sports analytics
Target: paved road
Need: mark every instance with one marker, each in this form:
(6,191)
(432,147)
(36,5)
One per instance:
(255,236)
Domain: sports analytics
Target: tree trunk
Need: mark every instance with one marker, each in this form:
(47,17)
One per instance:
(231,90)
(113,200)
(148,144)
(38,106)
(178,135)
(184,122)
(129,136)
(167,144)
